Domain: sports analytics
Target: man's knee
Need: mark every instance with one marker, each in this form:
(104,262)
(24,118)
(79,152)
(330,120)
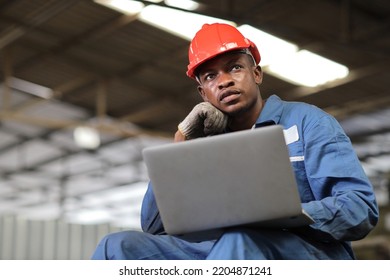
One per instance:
(117,245)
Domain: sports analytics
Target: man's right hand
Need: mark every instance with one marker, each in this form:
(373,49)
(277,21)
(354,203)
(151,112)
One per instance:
(203,120)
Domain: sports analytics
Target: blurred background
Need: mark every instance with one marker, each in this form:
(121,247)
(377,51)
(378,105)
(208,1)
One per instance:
(86,85)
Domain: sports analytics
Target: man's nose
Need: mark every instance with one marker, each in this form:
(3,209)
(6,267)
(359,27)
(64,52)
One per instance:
(224,80)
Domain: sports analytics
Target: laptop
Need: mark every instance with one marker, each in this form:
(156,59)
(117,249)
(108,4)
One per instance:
(207,185)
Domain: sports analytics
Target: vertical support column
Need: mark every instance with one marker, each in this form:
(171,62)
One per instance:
(101,100)
(7,70)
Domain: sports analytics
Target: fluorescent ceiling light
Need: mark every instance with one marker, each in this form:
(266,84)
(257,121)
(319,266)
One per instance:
(172,20)
(124,6)
(284,60)
(188,5)
(181,23)
(272,49)
(86,137)
(308,69)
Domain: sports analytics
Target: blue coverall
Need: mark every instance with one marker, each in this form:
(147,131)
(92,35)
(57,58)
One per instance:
(333,188)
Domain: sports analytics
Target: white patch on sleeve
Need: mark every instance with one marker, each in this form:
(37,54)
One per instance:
(291,134)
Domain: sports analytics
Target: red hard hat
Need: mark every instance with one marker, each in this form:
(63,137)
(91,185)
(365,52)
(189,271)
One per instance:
(214,39)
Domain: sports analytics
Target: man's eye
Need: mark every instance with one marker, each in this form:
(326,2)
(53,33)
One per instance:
(236,67)
(209,77)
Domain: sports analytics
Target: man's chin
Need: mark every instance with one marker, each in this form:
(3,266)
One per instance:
(233,110)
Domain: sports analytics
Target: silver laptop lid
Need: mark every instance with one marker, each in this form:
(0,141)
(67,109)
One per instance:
(222,181)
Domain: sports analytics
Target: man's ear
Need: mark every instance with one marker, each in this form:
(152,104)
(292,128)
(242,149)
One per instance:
(258,74)
(202,93)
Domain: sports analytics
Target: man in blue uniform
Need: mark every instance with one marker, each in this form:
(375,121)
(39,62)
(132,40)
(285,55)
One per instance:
(333,187)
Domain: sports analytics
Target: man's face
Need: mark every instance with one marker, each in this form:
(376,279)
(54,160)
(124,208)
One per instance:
(230,82)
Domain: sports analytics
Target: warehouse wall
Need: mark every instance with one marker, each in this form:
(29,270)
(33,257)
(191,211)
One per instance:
(22,239)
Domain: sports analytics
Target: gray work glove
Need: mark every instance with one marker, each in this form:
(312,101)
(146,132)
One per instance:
(203,120)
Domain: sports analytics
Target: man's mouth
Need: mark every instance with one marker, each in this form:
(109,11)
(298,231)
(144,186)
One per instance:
(229,96)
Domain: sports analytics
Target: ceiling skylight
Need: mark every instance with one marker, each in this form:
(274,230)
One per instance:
(123,6)
(31,88)
(188,5)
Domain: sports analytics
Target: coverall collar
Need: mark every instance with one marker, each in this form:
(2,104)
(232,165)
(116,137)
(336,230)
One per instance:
(271,112)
